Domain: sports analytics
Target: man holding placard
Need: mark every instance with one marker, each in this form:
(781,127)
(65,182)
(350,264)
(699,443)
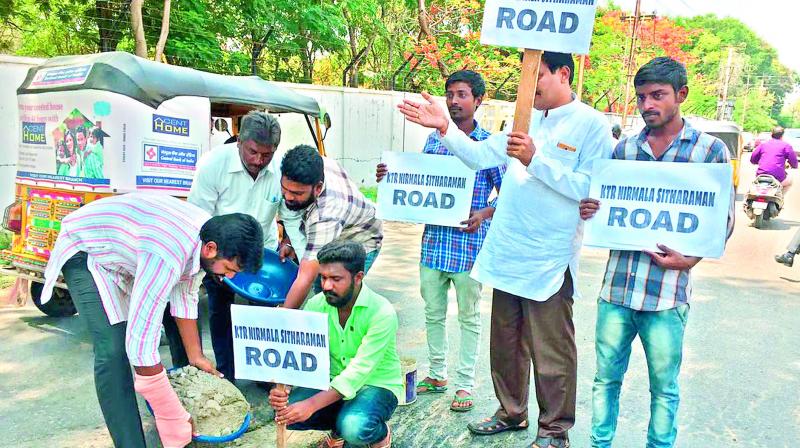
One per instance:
(530,255)
(366,381)
(448,253)
(647,293)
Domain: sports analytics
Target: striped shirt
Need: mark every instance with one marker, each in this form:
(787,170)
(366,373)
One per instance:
(632,279)
(448,249)
(143,251)
(340,212)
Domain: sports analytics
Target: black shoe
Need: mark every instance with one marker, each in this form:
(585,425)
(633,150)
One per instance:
(787,259)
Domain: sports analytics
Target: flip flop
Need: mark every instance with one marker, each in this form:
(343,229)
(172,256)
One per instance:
(459,400)
(430,388)
(493,425)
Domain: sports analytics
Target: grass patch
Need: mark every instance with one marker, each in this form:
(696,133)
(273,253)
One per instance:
(371,193)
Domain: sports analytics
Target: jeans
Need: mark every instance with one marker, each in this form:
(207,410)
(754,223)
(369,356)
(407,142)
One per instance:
(661,333)
(434,286)
(360,421)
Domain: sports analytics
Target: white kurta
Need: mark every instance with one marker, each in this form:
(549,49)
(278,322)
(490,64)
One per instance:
(536,230)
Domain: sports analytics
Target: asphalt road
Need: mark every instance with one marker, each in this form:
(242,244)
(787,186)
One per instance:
(740,380)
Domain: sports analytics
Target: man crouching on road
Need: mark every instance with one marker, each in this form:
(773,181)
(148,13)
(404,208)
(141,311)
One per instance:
(366,380)
(124,258)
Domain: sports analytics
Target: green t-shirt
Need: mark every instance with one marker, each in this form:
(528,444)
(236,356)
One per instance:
(364,352)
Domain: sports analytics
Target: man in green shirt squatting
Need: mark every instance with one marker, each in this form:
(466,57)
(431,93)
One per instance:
(366,381)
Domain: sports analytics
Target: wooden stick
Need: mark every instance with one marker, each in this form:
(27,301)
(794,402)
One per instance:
(527,90)
(581,63)
(281,434)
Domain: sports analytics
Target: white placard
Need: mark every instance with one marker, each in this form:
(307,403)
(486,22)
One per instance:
(564,27)
(681,205)
(426,189)
(281,345)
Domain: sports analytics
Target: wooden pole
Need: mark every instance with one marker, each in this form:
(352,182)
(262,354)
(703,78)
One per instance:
(527,90)
(281,433)
(581,63)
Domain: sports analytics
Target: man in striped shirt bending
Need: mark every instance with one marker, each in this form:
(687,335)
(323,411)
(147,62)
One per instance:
(648,293)
(124,259)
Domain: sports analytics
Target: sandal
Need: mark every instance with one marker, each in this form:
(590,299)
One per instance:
(386,442)
(430,388)
(460,400)
(551,442)
(331,441)
(493,425)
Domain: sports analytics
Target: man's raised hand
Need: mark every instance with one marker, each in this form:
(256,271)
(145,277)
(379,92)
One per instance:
(428,114)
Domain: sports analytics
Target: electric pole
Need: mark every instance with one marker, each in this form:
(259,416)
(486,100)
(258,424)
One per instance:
(630,61)
(722,109)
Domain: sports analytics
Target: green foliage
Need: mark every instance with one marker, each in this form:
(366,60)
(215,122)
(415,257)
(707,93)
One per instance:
(317,40)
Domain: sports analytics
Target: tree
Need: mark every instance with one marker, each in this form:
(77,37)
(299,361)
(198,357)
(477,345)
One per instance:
(137,25)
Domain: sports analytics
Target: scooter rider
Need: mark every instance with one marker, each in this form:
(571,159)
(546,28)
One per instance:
(771,157)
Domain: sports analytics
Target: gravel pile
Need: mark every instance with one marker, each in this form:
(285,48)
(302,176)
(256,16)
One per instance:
(217,406)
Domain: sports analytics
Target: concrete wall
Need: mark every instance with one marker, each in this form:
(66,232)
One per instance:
(12,72)
(366,122)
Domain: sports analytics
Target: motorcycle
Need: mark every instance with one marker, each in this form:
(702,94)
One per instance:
(764,199)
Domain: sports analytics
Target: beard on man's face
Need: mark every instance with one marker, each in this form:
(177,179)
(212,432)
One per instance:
(298,205)
(206,264)
(337,301)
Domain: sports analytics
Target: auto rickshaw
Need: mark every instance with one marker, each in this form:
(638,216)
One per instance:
(111,123)
(730,133)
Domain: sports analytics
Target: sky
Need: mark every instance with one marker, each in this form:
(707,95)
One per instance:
(775,21)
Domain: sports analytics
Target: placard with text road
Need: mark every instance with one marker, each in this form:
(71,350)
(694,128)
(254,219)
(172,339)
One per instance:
(563,26)
(281,345)
(683,206)
(426,189)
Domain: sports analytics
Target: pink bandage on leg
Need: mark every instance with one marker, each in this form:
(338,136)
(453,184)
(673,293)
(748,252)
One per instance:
(172,420)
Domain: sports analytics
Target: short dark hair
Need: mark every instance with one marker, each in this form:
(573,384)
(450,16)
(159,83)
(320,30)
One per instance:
(238,236)
(662,70)
(474,79)
(555,61)
(261,128)
(349,253)
(777,132)
(304,165)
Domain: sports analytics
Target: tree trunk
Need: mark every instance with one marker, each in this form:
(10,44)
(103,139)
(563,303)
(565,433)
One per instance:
(258,47)
(138,28)
(162,38)
(426,30)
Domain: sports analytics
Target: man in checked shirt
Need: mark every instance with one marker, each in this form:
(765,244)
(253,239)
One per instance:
(331,208)
(648,293)
(448,253)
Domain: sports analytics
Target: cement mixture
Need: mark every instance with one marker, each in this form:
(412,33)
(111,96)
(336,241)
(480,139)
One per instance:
(217,406)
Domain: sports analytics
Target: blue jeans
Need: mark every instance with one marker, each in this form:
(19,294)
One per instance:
(360,421)
(661,333)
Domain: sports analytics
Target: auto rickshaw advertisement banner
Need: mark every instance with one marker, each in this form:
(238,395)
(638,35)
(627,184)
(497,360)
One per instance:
(99,141)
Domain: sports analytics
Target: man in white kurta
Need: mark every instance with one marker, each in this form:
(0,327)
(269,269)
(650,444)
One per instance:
(530,255)
(241,177)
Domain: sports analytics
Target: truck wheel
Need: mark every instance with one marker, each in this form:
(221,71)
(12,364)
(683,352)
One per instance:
(759,221)
(59,305)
